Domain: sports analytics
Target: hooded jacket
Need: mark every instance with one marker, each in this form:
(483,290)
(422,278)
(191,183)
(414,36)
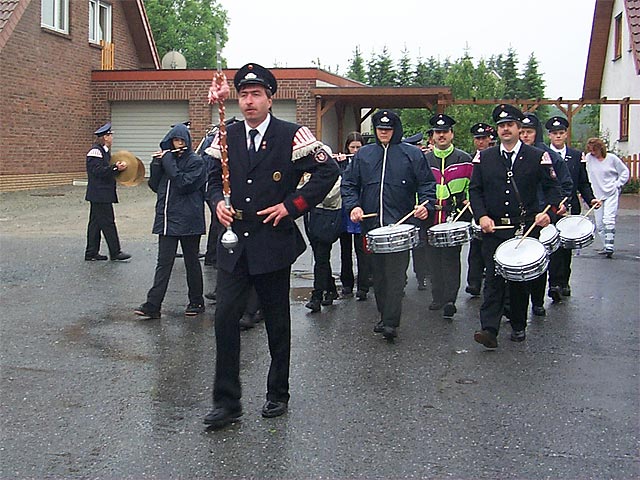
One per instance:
(179,179)
(386,179)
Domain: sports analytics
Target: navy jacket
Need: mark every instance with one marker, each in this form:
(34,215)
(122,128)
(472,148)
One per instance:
(179,181)
(387,180)
(577,165)
(286,152)
(101,183)
(562,173)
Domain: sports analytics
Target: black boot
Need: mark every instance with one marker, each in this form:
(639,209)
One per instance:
(314,303)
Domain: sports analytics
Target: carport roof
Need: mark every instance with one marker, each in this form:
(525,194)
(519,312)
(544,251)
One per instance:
(385,97)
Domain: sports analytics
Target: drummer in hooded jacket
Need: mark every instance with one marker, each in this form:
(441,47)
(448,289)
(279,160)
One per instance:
(384,178)
(504,195)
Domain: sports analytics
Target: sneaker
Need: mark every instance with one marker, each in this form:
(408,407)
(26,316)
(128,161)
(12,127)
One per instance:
(313,305)
(194,309)
(449,310)
(120,257)
(144,311)
(379,328)
(329,297)
(95,258)
(609,253)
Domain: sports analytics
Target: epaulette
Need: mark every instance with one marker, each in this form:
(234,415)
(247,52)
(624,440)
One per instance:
(476,159)
(304,143)
(213,150)
(546,159)
(95,152)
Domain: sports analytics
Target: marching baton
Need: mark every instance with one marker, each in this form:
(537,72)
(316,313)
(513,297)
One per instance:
(546,209)
(404,219)
(461,212)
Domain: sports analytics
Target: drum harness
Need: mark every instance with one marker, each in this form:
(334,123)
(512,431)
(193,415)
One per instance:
(523,211)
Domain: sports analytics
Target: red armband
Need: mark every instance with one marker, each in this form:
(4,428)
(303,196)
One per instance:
(300,203)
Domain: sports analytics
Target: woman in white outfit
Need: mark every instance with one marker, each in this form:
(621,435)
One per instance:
(608,174)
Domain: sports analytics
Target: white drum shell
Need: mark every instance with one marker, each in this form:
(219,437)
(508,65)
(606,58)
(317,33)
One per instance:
(449,234)
(392,238)
(476,231)
(526,262)
(550,238)
(576,231)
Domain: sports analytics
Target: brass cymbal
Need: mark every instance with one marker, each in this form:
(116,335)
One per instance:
(139,175)
(127,176)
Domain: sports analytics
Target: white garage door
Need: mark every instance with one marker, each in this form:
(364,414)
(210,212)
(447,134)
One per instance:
(140,126)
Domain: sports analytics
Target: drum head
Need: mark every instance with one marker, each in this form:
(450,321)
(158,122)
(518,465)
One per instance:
(528,252)
(390,229)
(450,226)
(548,233)
(575,226)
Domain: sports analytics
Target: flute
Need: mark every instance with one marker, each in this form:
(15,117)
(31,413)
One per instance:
(160,153)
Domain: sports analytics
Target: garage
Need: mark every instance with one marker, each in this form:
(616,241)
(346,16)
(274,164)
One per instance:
(140,126)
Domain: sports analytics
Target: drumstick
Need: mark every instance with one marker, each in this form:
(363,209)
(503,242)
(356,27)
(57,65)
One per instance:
(591,209)
(461,212)
(531,227)
(369,215)
(503,227)
(404,219)
(562,202)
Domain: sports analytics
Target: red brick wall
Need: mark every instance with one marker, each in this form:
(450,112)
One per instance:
(46,114)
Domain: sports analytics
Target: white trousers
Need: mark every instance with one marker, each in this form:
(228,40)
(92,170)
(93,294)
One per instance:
(606,220)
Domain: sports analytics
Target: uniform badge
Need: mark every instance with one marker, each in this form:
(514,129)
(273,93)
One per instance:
(321,155)
(552,173)
(277,176)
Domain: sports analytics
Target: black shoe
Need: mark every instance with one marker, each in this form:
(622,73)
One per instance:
(539,311)
(209,263)
(329,297)
(313,305)
(475,291)
(566,291)
(95,258)
(609,253)
(273,409)
(361,295)
(346,292)
(379,328)
(179,255)
(518,336)
(435,306)
(389,332)
(145,311)
(211,296)
(120,257)
(554,294)
(249,320)
(486,338)
(422,283)
(194,309)
(221,417)
(449,310)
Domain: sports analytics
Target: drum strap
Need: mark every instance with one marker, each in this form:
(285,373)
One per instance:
(523,211)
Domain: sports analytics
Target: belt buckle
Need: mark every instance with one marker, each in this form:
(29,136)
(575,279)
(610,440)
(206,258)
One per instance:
(505,221)
(238,215)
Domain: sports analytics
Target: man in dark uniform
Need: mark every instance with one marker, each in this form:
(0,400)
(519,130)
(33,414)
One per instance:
(101,193)
(504,192)
(385,178)
(481,139)
(267,158)
(560,260)
(451,168)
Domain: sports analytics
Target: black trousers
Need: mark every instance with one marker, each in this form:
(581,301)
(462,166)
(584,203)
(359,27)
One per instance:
(363,262)
(537,288)
(101,220)
(494,293)
(560,267)
(389,279)
(476,264)
(323,280)
(167,247)
(212,238)
(273,293)
(420,254)
(444,265)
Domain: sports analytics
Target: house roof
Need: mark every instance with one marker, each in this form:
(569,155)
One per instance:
(10,13)
(602,20)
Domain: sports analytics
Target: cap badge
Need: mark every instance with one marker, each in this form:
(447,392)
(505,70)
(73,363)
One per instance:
(440,122)
(385,120)
(250,76)
(556,123)
(526,120)
(503,114)
(480,130)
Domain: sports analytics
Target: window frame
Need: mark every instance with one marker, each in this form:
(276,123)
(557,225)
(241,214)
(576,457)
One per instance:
(60,10)
(95,10)
(624,122)
(617,37)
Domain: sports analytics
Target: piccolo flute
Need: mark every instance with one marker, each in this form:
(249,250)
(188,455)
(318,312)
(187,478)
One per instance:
(162,152)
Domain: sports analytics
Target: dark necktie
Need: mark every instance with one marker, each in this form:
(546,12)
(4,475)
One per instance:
(253,155)
(508,156)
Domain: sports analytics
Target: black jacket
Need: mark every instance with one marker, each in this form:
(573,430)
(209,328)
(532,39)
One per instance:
(179,181)
(577,166)
(101,183)
(286,152)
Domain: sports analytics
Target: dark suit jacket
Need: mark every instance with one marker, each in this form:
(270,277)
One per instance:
(578,169)
(101,183)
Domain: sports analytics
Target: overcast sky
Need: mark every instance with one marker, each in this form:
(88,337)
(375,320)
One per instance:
(292,34)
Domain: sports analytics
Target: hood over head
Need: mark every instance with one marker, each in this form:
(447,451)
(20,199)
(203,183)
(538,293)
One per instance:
(178,131)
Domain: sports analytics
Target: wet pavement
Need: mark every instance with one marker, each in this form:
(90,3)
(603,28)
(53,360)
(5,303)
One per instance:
(90,391)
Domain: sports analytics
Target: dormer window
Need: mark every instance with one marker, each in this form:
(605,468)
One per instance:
(99,21)
(55,15)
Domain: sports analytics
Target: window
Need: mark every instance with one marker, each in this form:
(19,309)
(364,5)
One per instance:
(99,21)
(617,32)
(55,15)
(624,122)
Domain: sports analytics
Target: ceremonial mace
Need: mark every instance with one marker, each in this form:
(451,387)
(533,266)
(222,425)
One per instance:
(229,238)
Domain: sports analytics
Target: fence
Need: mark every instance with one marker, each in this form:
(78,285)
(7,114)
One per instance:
(108,55)
(633,162)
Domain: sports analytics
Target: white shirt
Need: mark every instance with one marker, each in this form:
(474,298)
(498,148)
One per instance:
(262,128)
(562,152)
(515,151)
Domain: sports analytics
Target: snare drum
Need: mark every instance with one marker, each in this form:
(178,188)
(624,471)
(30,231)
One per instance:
(476,230)
(527,262)
(449,234)
(392,238)
(576,231)
(550,238)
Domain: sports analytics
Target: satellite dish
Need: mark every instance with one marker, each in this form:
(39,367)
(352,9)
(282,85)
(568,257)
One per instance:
(174,61)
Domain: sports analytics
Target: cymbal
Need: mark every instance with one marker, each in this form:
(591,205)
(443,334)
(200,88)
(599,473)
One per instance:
(139,175)
(127,176)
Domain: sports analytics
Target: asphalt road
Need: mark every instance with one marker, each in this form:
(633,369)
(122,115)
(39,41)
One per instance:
(90,391)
